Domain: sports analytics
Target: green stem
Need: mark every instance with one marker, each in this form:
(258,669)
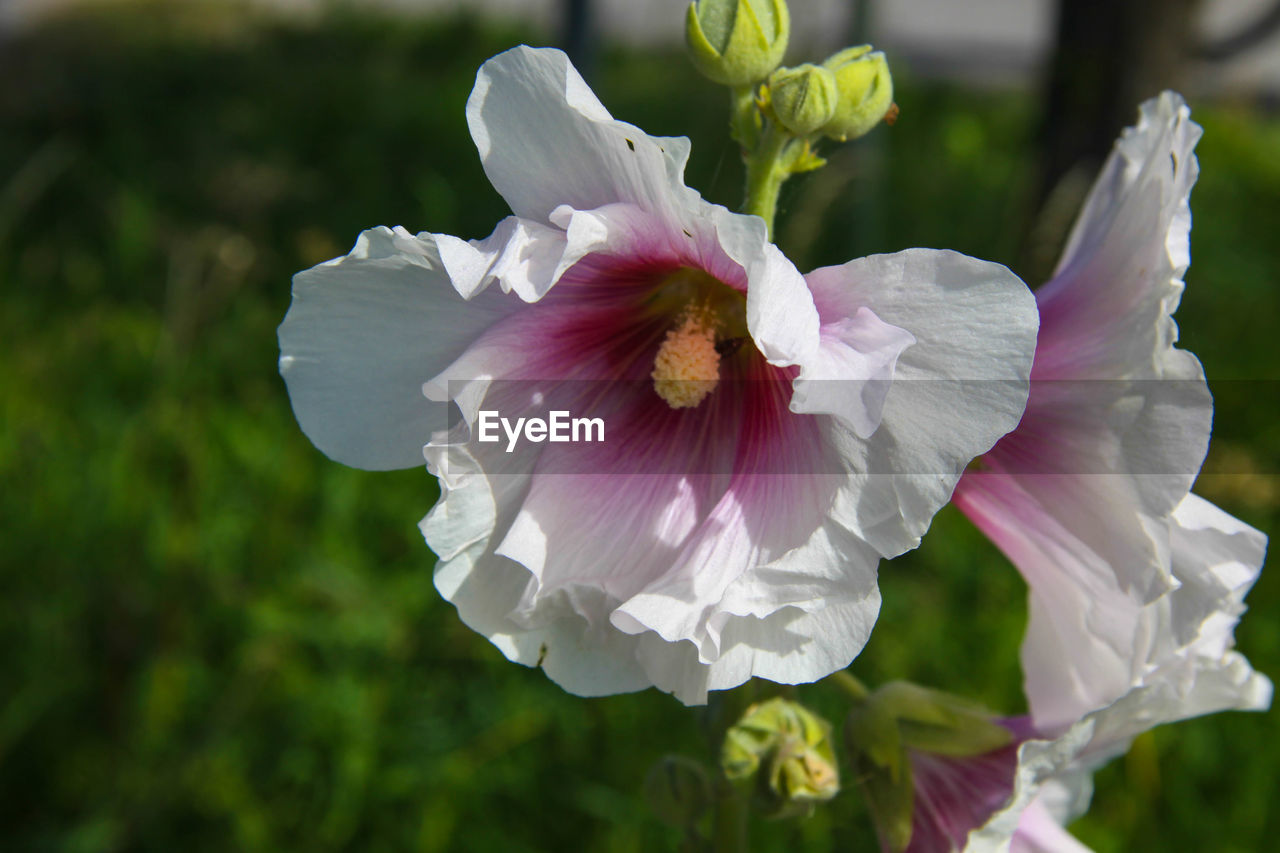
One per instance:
(744,118)
(849,682)
(766,174)
(729,834)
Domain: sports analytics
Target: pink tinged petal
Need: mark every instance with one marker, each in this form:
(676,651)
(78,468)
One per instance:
(1080,651)
(362,335)
(1107,313)
(1111,459)
(1039,832)
(1088,642)
(850,375)
(1187,670)
(956,390)
(546,140)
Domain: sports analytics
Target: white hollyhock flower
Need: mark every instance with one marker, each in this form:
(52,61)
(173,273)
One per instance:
(1079,496)
(1135,583)
(770,436)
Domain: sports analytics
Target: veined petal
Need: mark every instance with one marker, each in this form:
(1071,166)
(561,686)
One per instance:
(362,335)
(850,374)
(956,390)
(486,588)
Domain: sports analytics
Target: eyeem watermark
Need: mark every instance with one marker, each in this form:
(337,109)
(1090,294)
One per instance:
(559,427)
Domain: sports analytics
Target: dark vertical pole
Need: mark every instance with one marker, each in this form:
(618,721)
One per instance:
(1110,55)
(578,35)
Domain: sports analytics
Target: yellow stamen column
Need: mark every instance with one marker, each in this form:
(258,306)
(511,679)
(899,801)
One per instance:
(687,367)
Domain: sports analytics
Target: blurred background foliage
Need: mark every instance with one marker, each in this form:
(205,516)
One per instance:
(217,639)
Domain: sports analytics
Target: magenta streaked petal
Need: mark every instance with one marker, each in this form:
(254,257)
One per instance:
(954,796)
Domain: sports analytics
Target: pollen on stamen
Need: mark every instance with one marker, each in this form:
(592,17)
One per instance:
(687,367)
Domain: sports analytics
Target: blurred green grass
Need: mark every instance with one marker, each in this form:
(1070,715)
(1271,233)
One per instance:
(217,639)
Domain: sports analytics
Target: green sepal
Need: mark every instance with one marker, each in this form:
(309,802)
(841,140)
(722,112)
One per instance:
(942,723)
(890,800)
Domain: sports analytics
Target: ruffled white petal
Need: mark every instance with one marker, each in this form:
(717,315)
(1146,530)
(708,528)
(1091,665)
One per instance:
(956,390)
(1108,311)
(850,374)
(546,140)
(362,335)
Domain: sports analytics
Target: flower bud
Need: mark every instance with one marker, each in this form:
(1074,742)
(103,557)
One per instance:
(803,98)
(737,42)
(785,751)
(678,790)
(865,91)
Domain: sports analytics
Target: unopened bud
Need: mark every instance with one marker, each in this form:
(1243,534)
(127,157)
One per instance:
(737,42)
(803,98)
(865,91)
(784,750)
(678,790)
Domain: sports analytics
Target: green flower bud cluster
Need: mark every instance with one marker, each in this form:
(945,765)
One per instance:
(899,717)
(844,98)
(783,751)
(778,113)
